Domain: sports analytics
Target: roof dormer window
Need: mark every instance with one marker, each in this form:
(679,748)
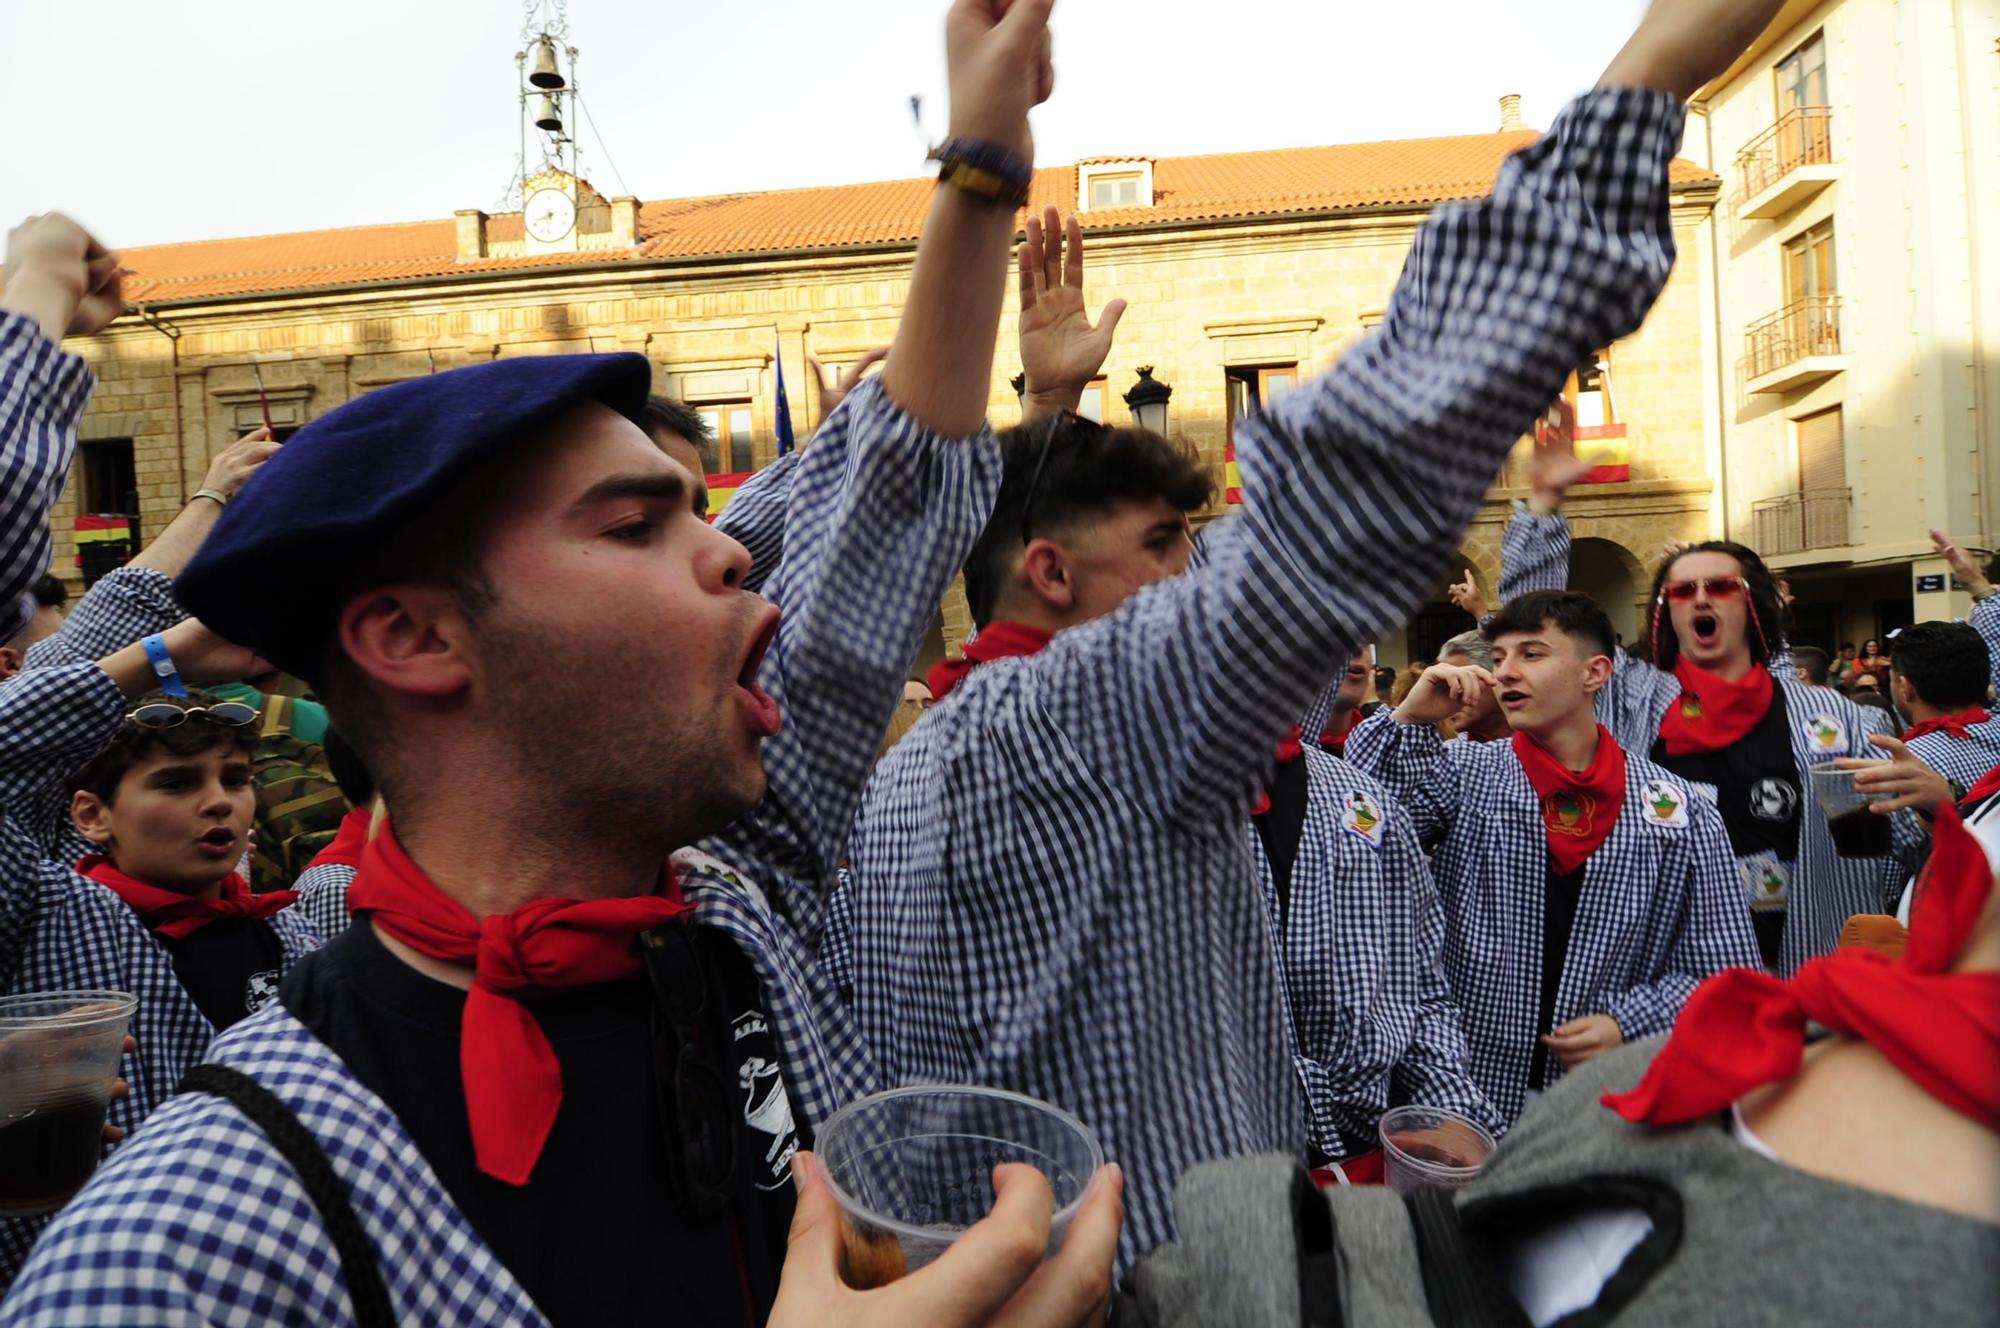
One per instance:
(1121,183)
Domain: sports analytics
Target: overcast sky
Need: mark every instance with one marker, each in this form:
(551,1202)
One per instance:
(194,119)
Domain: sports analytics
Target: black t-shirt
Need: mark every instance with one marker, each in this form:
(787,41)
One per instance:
(1565,892)
(1757,787)
(595,1236)
(1280,826)
(230,967)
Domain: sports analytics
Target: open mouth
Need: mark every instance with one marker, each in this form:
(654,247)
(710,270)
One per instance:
(1513,700)
(1707,631)
(219,842)
(761,706)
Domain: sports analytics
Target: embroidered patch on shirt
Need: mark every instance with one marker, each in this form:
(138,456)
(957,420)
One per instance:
(1825,733)
(1767,882)
(1569,812)
(1363,819)
(1774,799)
(1664,805)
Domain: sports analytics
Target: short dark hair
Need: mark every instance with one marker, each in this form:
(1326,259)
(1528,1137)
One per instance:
(1385,677)
(50,593)
(1089,468)
(1946,662)
(678,417)
(1769,623)
(1574,614)
(133,743)
(1847,645)
(1815,662)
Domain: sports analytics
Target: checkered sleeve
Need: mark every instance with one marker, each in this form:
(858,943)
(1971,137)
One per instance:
(1985,620)
(1910,842)
(1179,697)
(1714,930)
(43,391)
(128,605)
(51,722)
(755,517)
(1435,1070)
(1416,766)
(322,897)
(881,515)
(1534,553)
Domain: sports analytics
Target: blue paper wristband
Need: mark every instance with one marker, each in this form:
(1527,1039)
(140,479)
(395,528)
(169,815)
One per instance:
(163,666)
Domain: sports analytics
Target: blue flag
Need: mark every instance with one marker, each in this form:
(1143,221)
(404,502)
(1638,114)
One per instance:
(784,406)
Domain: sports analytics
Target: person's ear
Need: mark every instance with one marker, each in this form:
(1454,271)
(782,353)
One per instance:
(1047,573)
(1597,672)
(11,661)
(410,638)
(91,816)
(1904,692)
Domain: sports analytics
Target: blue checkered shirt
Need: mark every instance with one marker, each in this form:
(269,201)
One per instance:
(1051,889)
(43,391)
(1660,909)
(875,490)
(61,931)
(1825,888)
(322,900)
(1360,949)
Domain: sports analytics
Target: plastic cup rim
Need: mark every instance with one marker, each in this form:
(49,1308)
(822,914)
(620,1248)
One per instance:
(121,1003)
(932,1235)
(1435,1168)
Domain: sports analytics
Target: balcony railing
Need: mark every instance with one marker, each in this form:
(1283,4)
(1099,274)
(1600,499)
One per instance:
(1803,136)
(1799,522)
(1810,326)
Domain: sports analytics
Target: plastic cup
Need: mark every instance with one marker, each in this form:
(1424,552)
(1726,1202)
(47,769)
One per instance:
(1857,832)
(912,1168)
(1431,1146)
(59,1054)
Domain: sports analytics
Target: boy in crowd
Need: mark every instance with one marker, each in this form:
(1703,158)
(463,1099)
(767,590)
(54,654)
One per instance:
(1586,891)
(1483,720)
(1940,685)
(596,1152)
(1720,707)
(1050,887)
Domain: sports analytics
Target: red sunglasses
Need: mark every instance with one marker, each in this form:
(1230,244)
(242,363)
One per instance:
(1720,587)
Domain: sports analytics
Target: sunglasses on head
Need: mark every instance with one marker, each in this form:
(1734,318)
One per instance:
(1054,427)
(167,715)
(1718,587)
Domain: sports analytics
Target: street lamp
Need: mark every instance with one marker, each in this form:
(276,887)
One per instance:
(1148,401)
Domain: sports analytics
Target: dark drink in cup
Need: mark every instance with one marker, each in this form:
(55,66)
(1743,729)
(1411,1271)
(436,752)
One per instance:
(47,1155)
(1424,1146)
(1860,833)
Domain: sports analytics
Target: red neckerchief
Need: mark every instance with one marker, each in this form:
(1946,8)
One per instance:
(1958,726)
(1743,1028)
(1290,749)
(1579,807)
(1712,712)
(995,641)
(348,841)
(175,915)
(513,1082)
(1983,788)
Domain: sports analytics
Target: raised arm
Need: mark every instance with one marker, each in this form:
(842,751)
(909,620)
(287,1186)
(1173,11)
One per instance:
(1061,351)
(128,605)
(1534,547)
(1180,695)
(59,282)
(1985,616)
(1402,749)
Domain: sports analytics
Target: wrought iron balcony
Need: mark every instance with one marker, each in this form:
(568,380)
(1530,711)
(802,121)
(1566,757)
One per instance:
(1796,345)
(1786,164)
(1801,522)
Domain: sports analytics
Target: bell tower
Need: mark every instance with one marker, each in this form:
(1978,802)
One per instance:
(551,194)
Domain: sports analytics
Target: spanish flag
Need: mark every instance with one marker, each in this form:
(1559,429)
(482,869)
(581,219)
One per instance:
(721,488)
(1605,447)
(1232,477)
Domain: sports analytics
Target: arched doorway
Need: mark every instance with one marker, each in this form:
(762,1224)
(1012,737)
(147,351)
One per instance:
(1603,570)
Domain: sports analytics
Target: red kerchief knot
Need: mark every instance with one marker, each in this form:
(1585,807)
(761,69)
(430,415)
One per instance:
(1743,1028)
(1712,712)
(1579,807)
(996,640)
(513,1082)
(1958,726)
(175,915)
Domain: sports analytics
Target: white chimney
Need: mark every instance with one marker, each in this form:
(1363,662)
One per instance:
(1510,114)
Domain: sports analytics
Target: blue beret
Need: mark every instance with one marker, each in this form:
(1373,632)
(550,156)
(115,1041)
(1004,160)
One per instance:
(270,574)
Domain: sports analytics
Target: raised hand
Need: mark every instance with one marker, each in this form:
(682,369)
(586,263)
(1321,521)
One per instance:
(1465,594)
(832,394)
(1061,352)
(1963,565)
(239,461)
(202,657)
(1444,691)
(1682,44)
(998,61)
(1554,465)
(60,276)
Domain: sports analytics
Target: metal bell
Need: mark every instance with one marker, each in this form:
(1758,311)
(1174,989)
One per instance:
(545,74)
(547,116)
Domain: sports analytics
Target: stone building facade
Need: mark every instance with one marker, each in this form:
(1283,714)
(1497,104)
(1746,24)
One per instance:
(1246,273)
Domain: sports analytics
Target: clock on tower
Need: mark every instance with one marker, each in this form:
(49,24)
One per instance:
(549,215)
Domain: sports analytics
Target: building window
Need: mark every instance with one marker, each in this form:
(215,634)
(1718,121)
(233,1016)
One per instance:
(1802,76)
(1823,492)
(110,484)
(1095,397)
(1258,387)
(1809,269)
(1590,391)
(729,422)
(1115,191)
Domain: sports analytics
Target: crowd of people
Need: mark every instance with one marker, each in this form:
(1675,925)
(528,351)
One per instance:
(516,869)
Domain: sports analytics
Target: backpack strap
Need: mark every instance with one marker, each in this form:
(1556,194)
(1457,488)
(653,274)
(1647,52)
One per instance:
(1460,1286)
(359,1266)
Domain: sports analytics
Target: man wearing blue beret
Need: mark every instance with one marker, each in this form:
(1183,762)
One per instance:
(545,1077)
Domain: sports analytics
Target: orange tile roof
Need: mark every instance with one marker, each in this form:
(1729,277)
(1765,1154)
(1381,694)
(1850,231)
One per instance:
(1229,186)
